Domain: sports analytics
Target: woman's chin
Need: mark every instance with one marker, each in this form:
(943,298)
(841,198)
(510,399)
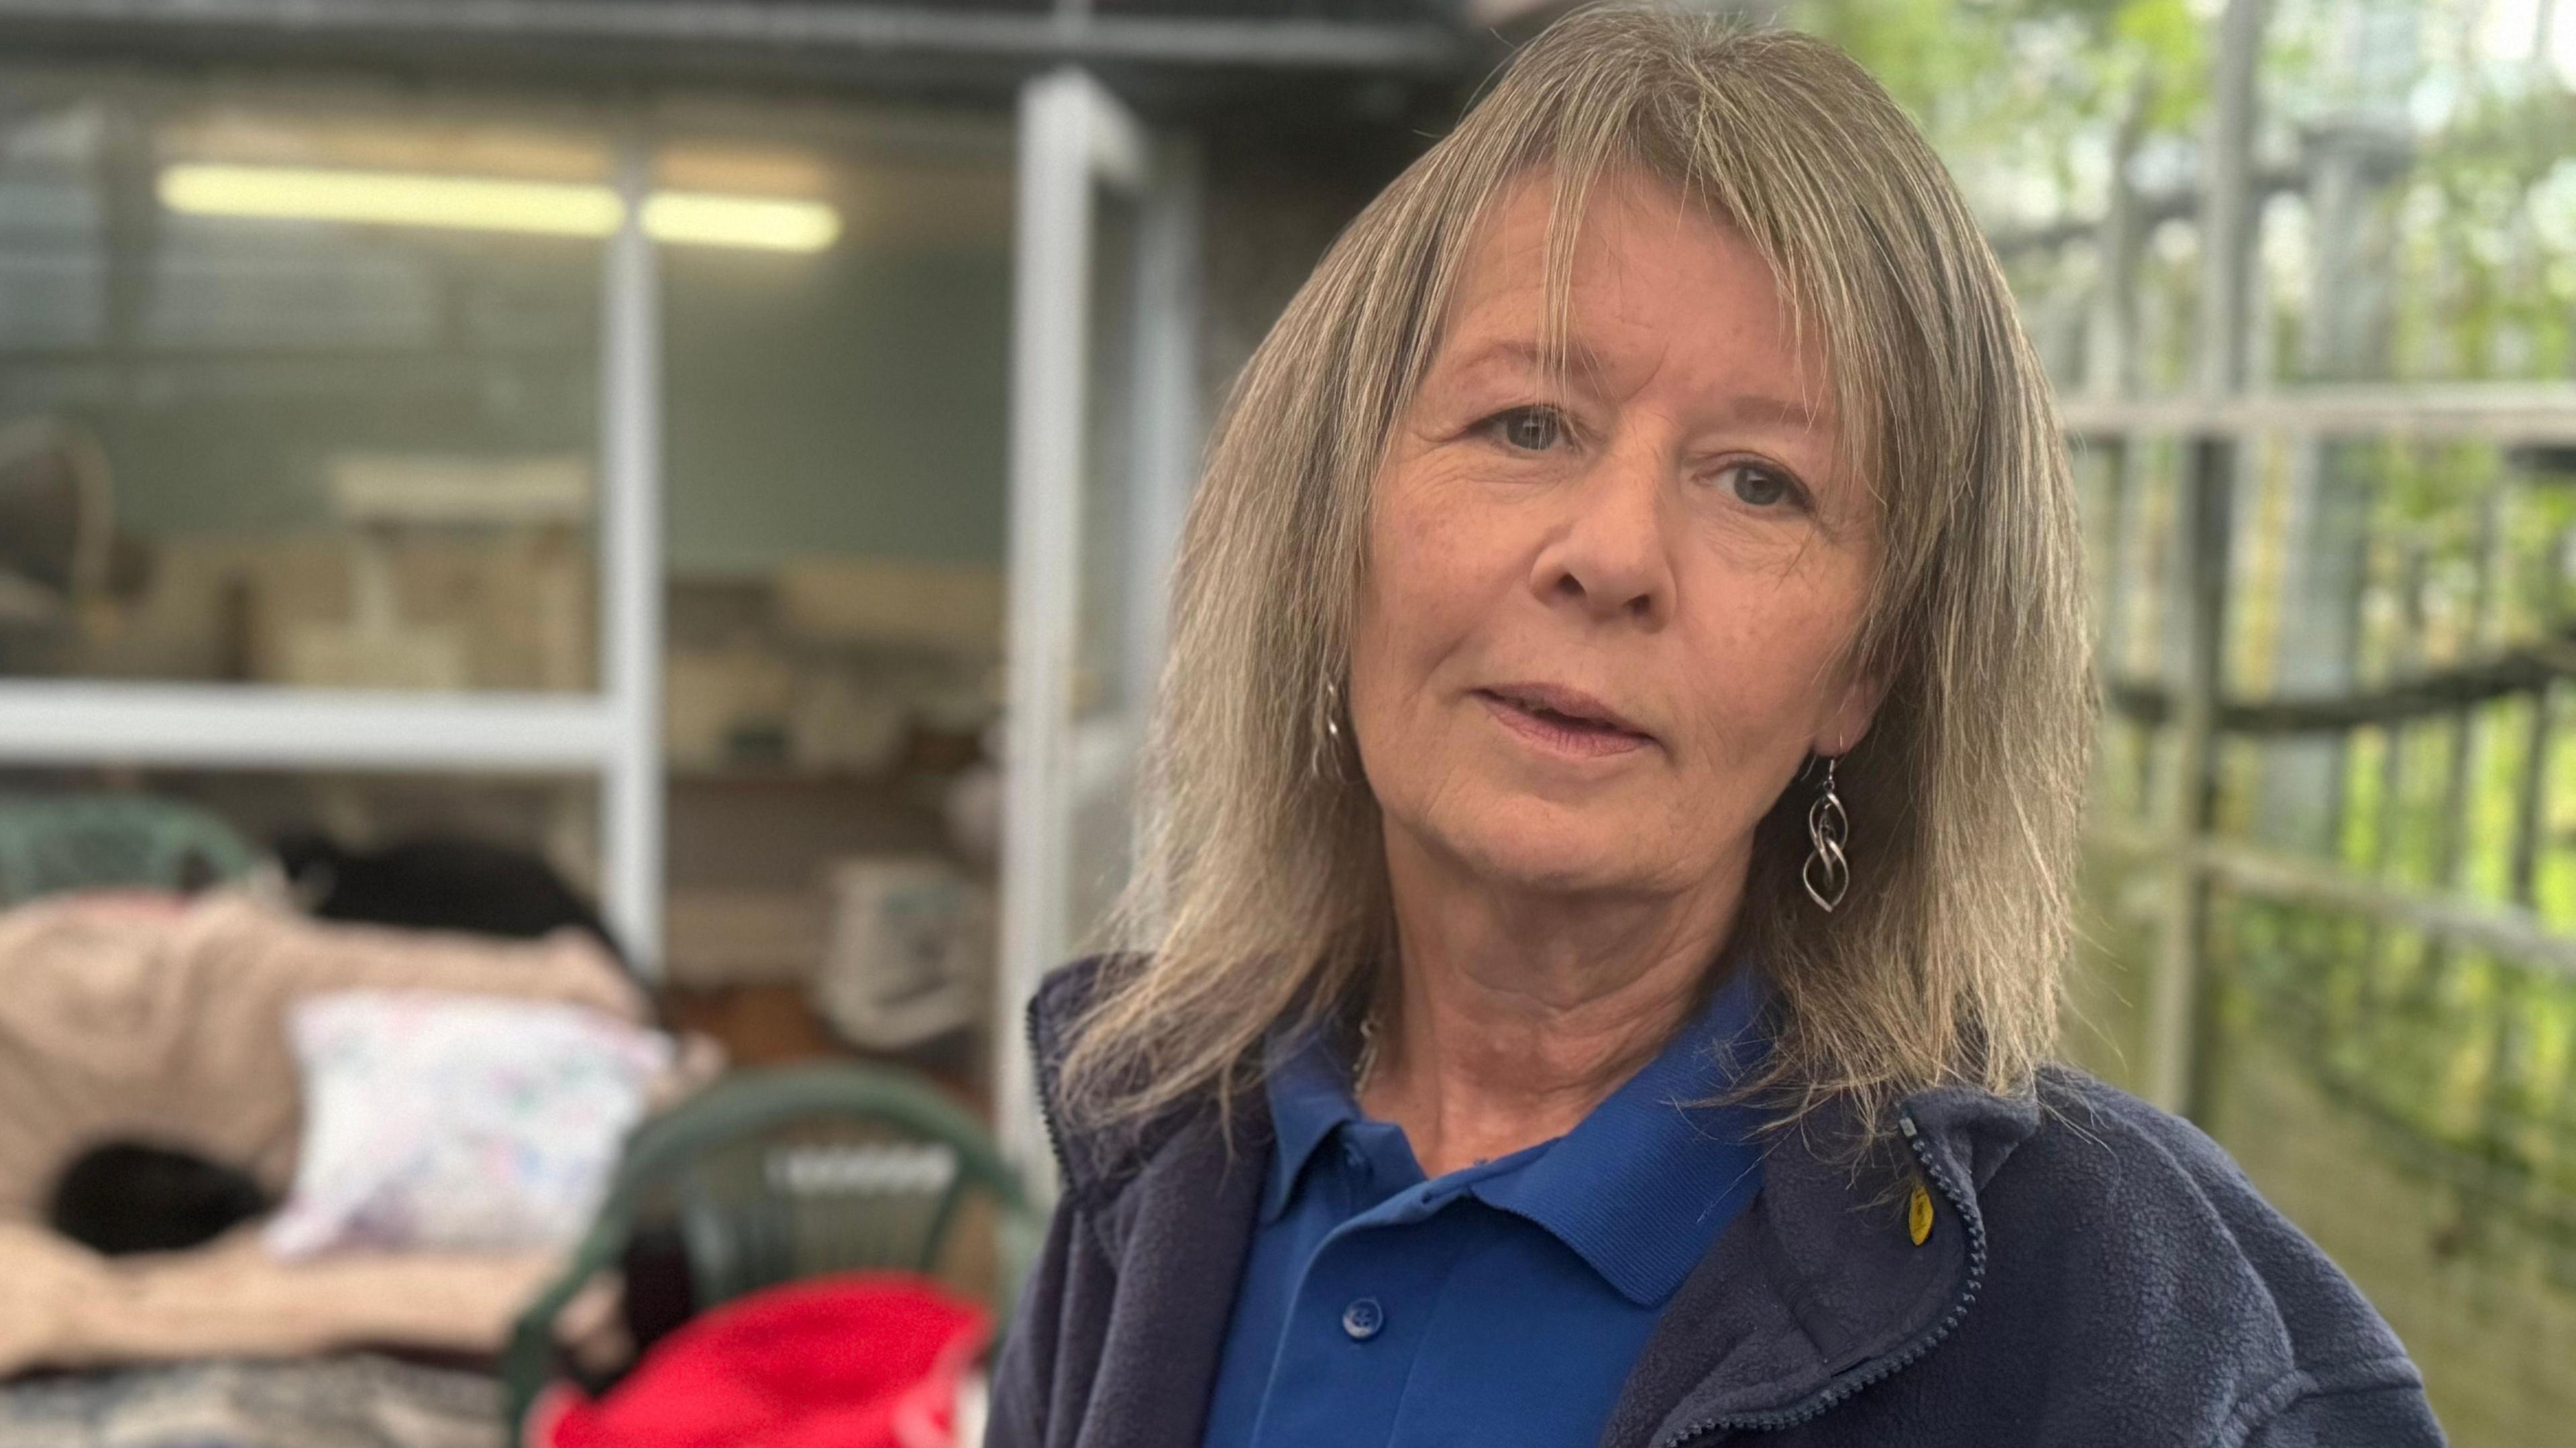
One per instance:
(1563,855)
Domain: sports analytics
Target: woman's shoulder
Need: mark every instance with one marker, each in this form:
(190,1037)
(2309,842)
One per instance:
(2103,1166)
(2120,1229)
(2102,1141)
(2132,1170)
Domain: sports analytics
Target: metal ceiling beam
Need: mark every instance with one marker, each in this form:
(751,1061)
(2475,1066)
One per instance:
(823,34)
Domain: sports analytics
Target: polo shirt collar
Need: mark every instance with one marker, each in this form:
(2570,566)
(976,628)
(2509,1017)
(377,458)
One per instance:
(1307,1075)
(1641,1186)
(1638,1187)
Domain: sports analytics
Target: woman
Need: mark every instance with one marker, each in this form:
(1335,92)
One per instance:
(1609,851)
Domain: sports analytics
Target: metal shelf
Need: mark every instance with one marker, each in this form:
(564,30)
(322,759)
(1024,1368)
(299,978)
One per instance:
(250,726)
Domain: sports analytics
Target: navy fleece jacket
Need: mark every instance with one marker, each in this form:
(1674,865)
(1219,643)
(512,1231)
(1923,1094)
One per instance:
(2097,1273)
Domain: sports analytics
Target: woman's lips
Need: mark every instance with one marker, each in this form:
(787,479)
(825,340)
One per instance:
(1578,735)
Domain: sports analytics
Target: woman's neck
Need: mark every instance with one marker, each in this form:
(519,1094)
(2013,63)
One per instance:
(1514,1013)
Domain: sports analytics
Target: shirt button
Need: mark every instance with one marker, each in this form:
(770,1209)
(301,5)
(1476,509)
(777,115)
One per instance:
(1362,1319)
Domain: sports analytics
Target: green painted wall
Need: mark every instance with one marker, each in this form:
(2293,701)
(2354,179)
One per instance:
(849,403)
(860,407)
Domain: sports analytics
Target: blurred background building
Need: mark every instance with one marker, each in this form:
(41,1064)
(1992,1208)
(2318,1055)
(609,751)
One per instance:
(723,453)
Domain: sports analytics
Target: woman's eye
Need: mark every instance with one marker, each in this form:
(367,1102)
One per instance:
(1530,429)
(1760,486)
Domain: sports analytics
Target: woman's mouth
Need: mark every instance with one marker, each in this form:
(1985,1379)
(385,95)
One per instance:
(1562,721)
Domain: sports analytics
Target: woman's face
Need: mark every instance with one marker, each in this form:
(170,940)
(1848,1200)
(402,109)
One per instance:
(1599,631)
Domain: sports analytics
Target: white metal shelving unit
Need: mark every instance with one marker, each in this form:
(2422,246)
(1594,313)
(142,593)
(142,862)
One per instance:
(613,734)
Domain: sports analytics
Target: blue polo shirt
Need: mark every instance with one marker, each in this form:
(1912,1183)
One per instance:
(1501,1303)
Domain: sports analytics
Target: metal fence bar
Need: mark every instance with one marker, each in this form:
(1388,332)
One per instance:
(2510,932)
(2417,695)
(2497,412)
(2178,1000)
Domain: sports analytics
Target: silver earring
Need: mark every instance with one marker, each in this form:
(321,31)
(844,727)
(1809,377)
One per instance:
(1826,874)
(1327,762)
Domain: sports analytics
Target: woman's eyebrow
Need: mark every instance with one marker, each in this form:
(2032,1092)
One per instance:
(1762,409)
(1521,351)
(1492,350)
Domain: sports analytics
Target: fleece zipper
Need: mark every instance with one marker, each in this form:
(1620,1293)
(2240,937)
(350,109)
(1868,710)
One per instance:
(1046,1108)
(1852,1380)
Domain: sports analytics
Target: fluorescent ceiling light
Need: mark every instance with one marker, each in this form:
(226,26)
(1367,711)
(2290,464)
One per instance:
(391,198)
(699,218)
(470,203)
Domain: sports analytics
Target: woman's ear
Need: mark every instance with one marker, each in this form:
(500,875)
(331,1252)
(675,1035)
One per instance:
(1851,715)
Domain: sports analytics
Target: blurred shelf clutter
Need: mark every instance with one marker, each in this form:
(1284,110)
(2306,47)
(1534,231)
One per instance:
(848,666)
(519,602)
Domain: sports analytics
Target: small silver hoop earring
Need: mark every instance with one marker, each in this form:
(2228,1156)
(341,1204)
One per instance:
(1826,874)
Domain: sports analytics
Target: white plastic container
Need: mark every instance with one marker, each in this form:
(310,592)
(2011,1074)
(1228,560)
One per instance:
(908,952)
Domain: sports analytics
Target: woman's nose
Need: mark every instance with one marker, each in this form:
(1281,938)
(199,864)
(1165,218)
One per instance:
(1606,551)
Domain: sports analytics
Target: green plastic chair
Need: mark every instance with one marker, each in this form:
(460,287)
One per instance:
(782,1174)
(52,843)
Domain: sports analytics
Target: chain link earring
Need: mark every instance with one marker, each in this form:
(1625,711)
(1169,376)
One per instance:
(1826,874)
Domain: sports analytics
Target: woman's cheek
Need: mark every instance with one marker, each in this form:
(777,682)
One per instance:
(1435,549)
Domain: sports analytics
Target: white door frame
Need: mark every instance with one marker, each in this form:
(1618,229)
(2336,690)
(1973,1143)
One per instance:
(1075,136)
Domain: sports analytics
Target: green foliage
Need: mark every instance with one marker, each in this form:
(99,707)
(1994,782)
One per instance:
(2033,102)
(2022,94)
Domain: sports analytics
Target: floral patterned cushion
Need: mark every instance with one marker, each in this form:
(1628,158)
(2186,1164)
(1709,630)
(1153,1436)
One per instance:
(445,1121)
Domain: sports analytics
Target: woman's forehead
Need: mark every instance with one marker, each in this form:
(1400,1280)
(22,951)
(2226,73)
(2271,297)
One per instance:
(1649,272)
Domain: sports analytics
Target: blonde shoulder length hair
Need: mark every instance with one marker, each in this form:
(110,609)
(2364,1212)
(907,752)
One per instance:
(1260,893)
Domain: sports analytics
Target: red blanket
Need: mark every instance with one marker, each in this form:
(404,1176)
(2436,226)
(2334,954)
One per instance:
(860,1360)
